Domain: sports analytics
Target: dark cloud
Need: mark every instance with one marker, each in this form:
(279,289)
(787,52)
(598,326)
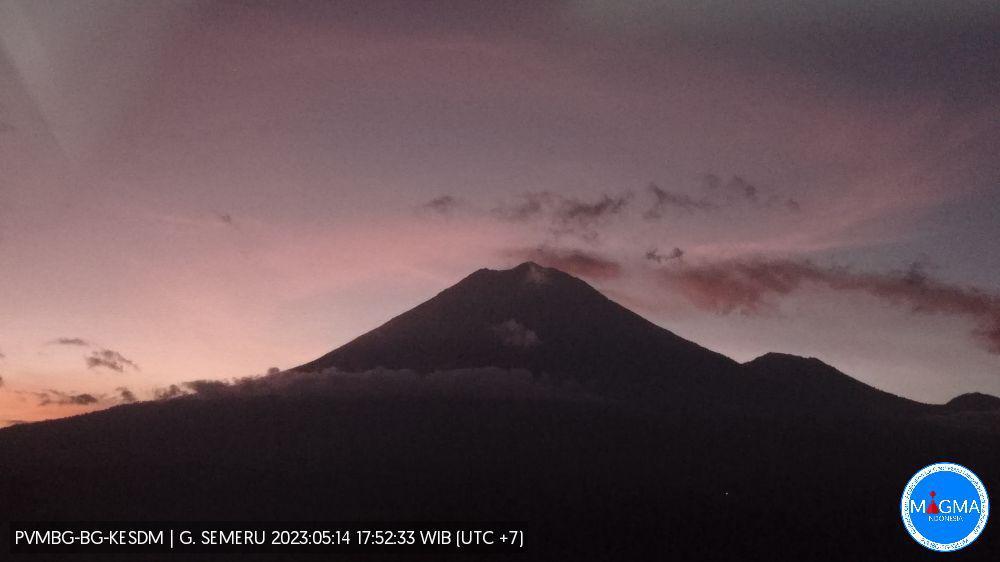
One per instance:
(575,262)
(719,194)
(566,215)
(750,287)
(109,359)
(206,387)
(665,199)
(56,397)
(70,341)
(172,391)
(225,218)
(125,395)
(654,255)
(273,371)
(736,186)
(1,382)
(584,213)
(445,204)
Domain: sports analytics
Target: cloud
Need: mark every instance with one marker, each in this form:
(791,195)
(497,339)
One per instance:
(565,215)
(225,218)
(1,382)
(9,423)
(109,359)
(718,194)
(206,387)
(56,397)
(70,341)
(172,391)
(514,334)
(750,286)
(654,255)
(575,262)
(125,395)
(736,186)
(665,199)
(584,213)
(528,206)
(332,384)
(739,189)
(444,205)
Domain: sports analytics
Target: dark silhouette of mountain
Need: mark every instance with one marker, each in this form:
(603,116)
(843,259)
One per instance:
(535,318)
(974,402)
(782,458)
(807,385)
(549,322)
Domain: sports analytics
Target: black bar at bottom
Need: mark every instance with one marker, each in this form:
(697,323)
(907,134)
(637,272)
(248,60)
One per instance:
(266,537)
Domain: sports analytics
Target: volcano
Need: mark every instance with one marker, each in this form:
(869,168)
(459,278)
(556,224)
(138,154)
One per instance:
(535,318)
(553,324)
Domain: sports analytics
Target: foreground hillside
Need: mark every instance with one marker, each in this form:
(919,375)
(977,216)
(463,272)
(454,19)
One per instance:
(594,479)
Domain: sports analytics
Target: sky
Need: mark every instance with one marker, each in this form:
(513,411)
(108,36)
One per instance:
(207,190)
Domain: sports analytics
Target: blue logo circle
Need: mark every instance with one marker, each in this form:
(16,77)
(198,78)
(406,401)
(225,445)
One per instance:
(945,506)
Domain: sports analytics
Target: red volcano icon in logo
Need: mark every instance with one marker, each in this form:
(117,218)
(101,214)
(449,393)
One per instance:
(933,508)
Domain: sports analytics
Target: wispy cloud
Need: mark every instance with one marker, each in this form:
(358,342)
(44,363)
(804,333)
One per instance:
(654,255)
(751,286)
(125,395)
(514,334)
(444,204)
(70,341)
(585,213)
(665,199)
(166,393)
(225,218)
(563,215)
(59,398)
(718,194)
(526,206)
(576,262)
(109,359)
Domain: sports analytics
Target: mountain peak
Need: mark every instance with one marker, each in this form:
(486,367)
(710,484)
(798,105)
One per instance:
(531,317)
(974,402)
(528,272)
(810,385)
(786,359)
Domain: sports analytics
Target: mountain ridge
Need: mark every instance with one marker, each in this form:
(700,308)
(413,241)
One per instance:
(531,317)
(554,324)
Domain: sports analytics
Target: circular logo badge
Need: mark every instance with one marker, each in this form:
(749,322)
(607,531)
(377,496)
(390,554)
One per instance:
(945,506)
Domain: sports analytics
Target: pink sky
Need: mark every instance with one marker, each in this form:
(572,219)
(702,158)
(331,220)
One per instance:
(212,190)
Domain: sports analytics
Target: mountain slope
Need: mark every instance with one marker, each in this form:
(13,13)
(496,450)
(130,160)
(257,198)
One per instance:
(974,402)
(791,383)
(534,318)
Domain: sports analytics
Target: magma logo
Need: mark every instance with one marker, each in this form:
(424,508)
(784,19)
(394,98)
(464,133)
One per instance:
(945,507)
